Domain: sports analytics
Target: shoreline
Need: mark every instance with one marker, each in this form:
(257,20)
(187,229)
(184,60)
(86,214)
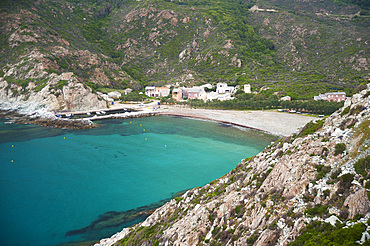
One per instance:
(271,122)
(195,117)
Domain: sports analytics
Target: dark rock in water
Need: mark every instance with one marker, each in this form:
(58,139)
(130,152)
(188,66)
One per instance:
(48,122)
(125,218)
(61,123)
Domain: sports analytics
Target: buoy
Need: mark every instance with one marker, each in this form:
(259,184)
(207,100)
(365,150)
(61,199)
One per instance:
(64,137)
(140,124)
(12,146)
(146,139)
(165,145)
(143,130)
(11,160)
(130,122)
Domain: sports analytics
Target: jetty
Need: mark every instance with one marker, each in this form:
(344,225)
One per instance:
(119,111)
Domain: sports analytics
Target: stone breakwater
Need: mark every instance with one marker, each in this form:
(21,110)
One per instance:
(56,122)
(264,200)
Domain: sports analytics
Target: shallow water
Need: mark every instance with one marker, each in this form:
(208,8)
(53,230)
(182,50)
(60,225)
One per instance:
(54,181)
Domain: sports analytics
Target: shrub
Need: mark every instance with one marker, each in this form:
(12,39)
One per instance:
(317,210)
(340,148)
(362,166)
(322,171)
(310,128)
(346,181)
(345,111)
(335,173)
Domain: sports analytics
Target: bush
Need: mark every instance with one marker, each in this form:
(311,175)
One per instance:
(339,148)
(317,210)
(362,166)
(322,171)
(310,128)
(346,181)
(345,111)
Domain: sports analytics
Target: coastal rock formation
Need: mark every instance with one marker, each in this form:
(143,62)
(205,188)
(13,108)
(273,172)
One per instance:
(270,198)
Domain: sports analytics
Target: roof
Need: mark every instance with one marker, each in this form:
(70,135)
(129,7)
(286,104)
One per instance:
(336,93)
(194,90)
(150,88)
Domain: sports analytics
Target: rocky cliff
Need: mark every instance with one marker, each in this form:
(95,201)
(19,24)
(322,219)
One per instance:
(318,177)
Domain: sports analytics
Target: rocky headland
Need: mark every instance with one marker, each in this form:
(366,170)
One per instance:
(317,176)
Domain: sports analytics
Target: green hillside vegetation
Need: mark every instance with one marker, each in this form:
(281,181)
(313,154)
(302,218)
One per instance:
(293,51)
(266,100)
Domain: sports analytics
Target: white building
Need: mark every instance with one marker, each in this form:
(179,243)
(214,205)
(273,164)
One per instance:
(223,88)
(211,96)
(286,98)
(152,91)
(128,90)
(247,88)
(114,94)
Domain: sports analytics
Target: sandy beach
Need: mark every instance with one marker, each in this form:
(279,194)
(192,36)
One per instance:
(270,121)
(277,123)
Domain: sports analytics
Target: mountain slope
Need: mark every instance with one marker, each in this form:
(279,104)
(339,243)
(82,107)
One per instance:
(301,49)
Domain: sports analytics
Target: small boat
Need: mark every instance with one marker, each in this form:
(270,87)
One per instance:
(69,115)
(103,112)
(88,113)
(321,116)
(97,112)
(58,115)
(8,122)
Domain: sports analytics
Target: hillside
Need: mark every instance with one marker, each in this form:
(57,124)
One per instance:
(308,188)
(55,53)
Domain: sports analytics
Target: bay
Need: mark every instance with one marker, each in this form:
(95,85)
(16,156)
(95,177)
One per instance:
(54,181)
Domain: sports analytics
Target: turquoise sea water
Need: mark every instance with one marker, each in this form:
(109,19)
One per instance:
(53,181)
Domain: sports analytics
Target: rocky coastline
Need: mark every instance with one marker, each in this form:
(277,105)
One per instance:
(269,199)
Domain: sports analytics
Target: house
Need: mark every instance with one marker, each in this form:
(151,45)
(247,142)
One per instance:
(247,88)
(195,92)
(163,91)
(286,98)
(336,96)
(177,94)
(223,88)
(114,94)
(320,97)
(211,96)
(331,97)
(152,91)
(128,90)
